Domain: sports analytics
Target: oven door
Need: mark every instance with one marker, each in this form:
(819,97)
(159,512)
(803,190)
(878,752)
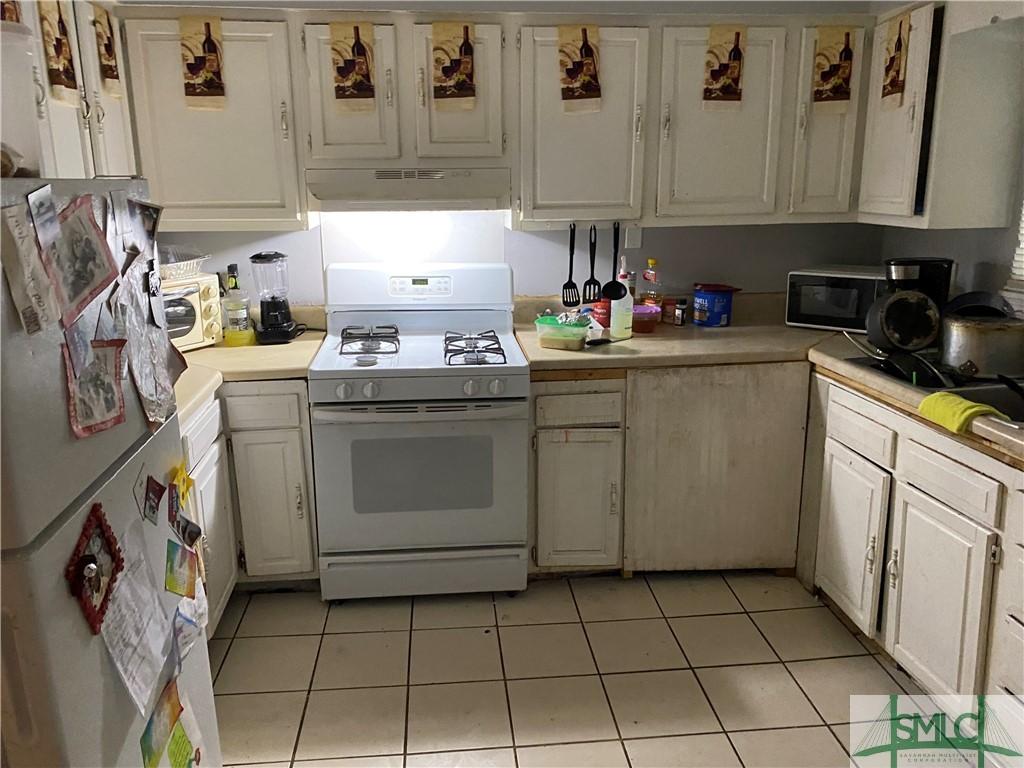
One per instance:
(410,476)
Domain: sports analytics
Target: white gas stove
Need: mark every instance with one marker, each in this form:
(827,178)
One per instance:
(419,410)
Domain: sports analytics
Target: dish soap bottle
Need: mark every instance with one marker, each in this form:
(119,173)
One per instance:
(621,325)
(238,331)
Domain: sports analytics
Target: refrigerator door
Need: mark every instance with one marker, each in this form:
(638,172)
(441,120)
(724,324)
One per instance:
(63,702)
(45,468)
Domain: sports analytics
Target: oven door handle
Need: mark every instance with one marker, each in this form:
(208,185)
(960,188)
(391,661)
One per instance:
(503,412)
(171,295)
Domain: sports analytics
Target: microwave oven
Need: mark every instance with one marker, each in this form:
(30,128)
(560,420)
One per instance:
(192,309)
(833,298)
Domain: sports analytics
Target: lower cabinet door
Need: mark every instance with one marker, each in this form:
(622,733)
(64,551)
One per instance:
(939,577)
(272,506)
(212,494)
(851,533)
(579,496)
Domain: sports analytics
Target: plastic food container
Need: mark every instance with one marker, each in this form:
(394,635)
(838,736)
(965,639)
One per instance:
(646,318)
(553,335)
(712,304)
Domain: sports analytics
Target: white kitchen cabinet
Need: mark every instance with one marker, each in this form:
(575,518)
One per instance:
(230,168)
(823,150)
(893,134)
(939,577)
(272,501)
(110,120)
(212,494)
(579,496)
(66,150)
(337,134)
(851,533)
(585,165)
(723,160)
(713,465)
(470,133)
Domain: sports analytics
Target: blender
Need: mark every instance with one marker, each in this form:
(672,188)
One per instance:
(270,274)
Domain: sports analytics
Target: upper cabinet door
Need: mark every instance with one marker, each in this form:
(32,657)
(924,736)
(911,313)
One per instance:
(583,165)
(110,121)
(825,135)
(892,136)
(340,134)
(714,160)
(63,123)
(475,132)
(229,168)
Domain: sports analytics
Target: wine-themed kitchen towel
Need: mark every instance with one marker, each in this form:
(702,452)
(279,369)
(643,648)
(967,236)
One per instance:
(60,65)
(105,49)
(833,69)
(579,61)
(894,74)
(10,10)
(352,60)
(723,66)
(202,53)
(454,80)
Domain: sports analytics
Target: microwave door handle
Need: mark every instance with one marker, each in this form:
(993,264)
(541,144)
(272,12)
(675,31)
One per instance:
(191,291)
(330,416)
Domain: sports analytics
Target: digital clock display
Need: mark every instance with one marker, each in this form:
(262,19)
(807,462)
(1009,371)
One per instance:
(420,281)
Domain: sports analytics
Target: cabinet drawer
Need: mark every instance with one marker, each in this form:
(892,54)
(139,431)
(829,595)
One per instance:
(1007,659)
(579,410)
(868,438)
(968,492)
(200,432)
(262,411)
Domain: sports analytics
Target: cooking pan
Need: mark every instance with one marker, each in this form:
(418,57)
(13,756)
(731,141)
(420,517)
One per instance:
(908,366)
(983,347)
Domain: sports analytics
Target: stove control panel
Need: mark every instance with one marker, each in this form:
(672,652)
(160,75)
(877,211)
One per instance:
(417,287)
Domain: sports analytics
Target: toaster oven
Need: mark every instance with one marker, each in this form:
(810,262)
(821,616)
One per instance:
(192,308)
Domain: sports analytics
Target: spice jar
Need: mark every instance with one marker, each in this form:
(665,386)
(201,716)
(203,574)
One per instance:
(668,309)
(679,314)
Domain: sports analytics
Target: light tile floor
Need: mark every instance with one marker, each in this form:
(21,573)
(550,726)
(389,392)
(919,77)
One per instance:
(698,670)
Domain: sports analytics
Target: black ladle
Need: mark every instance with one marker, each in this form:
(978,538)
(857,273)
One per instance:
(613,289)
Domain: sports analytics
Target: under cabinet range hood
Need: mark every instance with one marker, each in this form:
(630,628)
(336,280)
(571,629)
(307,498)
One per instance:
(410,189)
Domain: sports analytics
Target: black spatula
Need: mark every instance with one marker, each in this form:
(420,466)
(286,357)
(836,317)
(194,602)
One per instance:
(570,292)
(592,287)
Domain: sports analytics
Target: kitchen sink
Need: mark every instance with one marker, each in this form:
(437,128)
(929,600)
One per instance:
(998,396)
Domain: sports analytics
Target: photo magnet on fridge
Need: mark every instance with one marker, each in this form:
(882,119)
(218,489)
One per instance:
(151,504)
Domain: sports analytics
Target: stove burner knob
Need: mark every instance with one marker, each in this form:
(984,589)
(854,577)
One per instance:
(343,391)
(471,387)
(496,387)
(371,389)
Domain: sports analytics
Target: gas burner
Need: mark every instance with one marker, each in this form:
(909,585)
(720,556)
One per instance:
(473,349)
(369,341)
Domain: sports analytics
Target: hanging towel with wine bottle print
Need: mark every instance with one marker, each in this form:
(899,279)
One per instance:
(10,10)
(202,54)
(723,67)
(833,69)
(894,73)
(579,62)
(454,77)
(352,62)
(103,25)
(60,65)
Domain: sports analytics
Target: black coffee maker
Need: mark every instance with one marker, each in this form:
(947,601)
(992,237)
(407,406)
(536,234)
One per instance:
(270,274)
(932,276)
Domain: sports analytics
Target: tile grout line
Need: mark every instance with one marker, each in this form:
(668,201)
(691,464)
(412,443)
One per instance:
(309,689)
(504,680)
(593,657)
(408,681)
(693,671)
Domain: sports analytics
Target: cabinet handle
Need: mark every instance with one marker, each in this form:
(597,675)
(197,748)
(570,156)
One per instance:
(100,112)
(802,120)
(85,107)
(41,96)
(666,126)
(389,95)
(614,495)
(893,566)
(284,120)
(913,113)
(421,86)
(869,556)
(638,122)
(298,502)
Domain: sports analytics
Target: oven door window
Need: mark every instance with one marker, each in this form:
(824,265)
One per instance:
(422,474)
(181,317)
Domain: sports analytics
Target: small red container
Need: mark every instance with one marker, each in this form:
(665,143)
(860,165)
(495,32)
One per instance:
(602,312)
(646,318)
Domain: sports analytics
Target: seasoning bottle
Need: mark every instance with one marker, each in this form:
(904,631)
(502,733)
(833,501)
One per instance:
(680,311)
(652,291)
(238,331)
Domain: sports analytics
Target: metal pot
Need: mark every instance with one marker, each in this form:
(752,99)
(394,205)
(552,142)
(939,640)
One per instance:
(983,347)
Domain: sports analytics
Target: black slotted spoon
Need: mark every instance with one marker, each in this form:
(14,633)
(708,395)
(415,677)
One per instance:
(570,292)
(592,287)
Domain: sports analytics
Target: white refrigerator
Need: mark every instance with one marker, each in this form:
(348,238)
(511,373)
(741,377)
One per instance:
(63,700)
